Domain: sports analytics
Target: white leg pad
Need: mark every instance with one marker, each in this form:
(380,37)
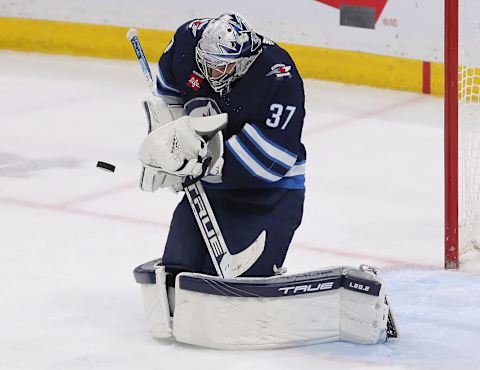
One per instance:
(254,323)
(332,304)
(328,305)
(363,317)
(155,302)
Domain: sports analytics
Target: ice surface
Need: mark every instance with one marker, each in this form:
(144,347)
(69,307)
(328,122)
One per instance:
(71,234)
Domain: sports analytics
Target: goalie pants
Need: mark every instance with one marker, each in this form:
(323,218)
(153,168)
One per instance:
(241,214)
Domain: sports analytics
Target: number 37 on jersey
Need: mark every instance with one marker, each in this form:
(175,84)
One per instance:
(280,115)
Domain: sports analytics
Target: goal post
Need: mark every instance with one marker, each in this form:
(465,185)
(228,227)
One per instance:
(462,131)
(451,133)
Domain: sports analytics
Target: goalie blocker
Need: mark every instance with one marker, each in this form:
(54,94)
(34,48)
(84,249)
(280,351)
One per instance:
(332,304)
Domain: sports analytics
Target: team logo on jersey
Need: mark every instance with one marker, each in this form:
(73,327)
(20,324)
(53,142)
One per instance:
(280,70)
(197,25)
(195,81)
(202,107)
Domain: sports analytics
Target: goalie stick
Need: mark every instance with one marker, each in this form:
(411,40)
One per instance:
(227,265)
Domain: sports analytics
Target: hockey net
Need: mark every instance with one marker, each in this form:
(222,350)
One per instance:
(467,91)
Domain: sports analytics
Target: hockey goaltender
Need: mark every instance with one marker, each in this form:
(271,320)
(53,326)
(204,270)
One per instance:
(225,122)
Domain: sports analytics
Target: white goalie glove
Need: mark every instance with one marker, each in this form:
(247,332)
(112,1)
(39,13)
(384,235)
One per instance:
(160,111)
(177,149)
(176,146)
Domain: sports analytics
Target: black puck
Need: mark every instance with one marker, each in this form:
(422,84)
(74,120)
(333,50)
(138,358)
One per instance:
(106,166)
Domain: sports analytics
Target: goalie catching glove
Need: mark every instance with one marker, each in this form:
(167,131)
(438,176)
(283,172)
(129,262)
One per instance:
(177,148)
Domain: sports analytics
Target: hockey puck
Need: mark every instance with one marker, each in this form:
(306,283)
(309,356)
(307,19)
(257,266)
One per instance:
(106,166)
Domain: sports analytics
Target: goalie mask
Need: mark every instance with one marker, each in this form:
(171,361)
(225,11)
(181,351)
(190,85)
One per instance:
(226,50)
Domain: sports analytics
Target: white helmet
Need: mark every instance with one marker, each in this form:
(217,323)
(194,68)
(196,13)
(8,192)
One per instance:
(226,50)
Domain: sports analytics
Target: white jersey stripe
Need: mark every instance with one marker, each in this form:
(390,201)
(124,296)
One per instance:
(164,83)
(249,162)
(298,169)
(273,151)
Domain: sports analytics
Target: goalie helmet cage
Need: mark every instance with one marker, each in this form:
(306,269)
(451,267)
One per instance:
(462,130)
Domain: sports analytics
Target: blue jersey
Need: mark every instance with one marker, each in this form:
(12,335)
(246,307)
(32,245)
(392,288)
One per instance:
(265,110)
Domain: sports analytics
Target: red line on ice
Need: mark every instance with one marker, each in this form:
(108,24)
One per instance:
(66,207)
(74,211)
(392,263)
(349,120)
(98,195)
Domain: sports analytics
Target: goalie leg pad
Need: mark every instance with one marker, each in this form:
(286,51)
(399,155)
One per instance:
(243,319)
(152,278)
(342,303)
(363,317)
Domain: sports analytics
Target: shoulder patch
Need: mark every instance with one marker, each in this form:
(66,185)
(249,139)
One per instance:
(197,25)
(195,80)
(280,70)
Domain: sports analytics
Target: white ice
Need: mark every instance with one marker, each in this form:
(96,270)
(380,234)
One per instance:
(71,234)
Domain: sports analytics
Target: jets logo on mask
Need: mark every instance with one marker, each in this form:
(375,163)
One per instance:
(280,70)
(197,25)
